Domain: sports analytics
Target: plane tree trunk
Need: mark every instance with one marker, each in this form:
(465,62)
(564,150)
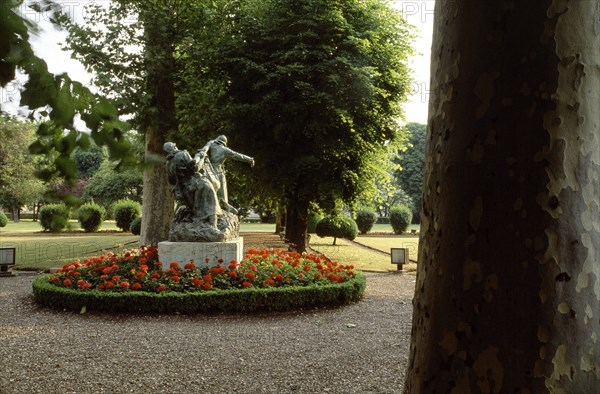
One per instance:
(508,285)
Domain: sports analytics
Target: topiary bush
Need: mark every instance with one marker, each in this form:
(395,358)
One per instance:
(125,211)
(3,219)
(136,226)
(400,218)
(365,219)
(54,217)
(90,216)
(311,223)
(337,227)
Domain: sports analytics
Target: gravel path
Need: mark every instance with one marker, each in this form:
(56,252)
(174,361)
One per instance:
(359,348)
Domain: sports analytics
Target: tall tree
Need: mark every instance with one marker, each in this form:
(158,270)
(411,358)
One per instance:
(507,296)
(55,98)
(312,90)
(18,184)
(412,163)
(138,70)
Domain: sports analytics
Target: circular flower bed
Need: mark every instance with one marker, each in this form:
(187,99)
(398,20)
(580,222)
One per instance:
(135,281)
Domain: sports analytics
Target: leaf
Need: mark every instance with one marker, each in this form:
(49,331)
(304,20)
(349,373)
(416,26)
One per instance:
(83,310)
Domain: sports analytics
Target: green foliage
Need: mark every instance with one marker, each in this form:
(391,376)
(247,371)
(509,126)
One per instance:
(18,184)
(136,226)
(365,219)
(312,87)
(109,185)
(412,163)
(339,226)
(88,161)
(400,218)
(236,300)
(313,219)
(3,219)
(91,216)
(54,217)
(125,211)
(57,137)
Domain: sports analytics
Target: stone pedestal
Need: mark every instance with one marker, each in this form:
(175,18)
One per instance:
(203,253)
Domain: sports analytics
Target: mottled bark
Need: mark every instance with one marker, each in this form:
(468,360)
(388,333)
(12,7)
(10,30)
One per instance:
(508,286)
(159,120)
(158,200)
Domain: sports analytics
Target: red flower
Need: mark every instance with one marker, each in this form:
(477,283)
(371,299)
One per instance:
(175,278)
(140,275)
(206,286)
(306,268)
(144,268)
(136,286)
(116,278)
(207,278)
(253,267)
(114,267)
(301,275)
(67,282)
(106,270)
(157,264)
(174,265)
(190,266)
(232,274)
(250,275)
(54,279)
(269,282)
(155,275)
(161,288)
(197,282)
(109,285)
(124,284)
(246,284)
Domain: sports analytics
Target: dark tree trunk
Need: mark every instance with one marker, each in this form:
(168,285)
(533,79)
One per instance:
(295,229)
(16,215)
(508,285)
(160,121)
(280,219)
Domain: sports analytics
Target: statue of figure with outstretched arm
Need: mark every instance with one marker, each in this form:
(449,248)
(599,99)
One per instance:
(218,152)
(192,187)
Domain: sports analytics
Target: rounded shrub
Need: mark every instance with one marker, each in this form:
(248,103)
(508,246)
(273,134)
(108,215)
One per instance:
(3,219)
(136,226)
(125,211)
(311,223)
(365,219)
(54,217)
(337,227)
(400,218)
(91,216)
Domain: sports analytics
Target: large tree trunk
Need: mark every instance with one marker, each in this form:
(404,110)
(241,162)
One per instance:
(295,229)
(508,285)
(160,121)
(158,200)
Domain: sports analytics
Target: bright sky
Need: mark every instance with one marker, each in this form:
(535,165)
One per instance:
(46,45)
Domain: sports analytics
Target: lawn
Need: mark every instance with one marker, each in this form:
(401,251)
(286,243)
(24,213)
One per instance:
(347,253)
(37,250)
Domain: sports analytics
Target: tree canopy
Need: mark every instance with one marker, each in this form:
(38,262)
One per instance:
(412,163)
(313,89)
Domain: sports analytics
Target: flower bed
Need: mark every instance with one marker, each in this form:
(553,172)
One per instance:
(136,282)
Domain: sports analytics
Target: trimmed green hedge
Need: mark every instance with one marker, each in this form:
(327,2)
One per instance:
(237,300)
(3,219)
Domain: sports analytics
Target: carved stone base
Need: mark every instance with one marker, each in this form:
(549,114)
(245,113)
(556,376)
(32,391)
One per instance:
(183,252)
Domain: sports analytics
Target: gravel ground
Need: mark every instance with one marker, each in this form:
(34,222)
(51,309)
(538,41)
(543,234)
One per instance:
(359,348)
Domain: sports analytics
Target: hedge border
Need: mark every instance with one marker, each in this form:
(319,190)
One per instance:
(235,300)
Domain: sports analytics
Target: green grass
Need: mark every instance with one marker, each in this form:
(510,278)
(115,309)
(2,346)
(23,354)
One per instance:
(347,253)
(257,227)
(385,243)
(37,250)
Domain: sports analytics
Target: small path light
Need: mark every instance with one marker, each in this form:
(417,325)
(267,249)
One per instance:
(399,257)
(7,257)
